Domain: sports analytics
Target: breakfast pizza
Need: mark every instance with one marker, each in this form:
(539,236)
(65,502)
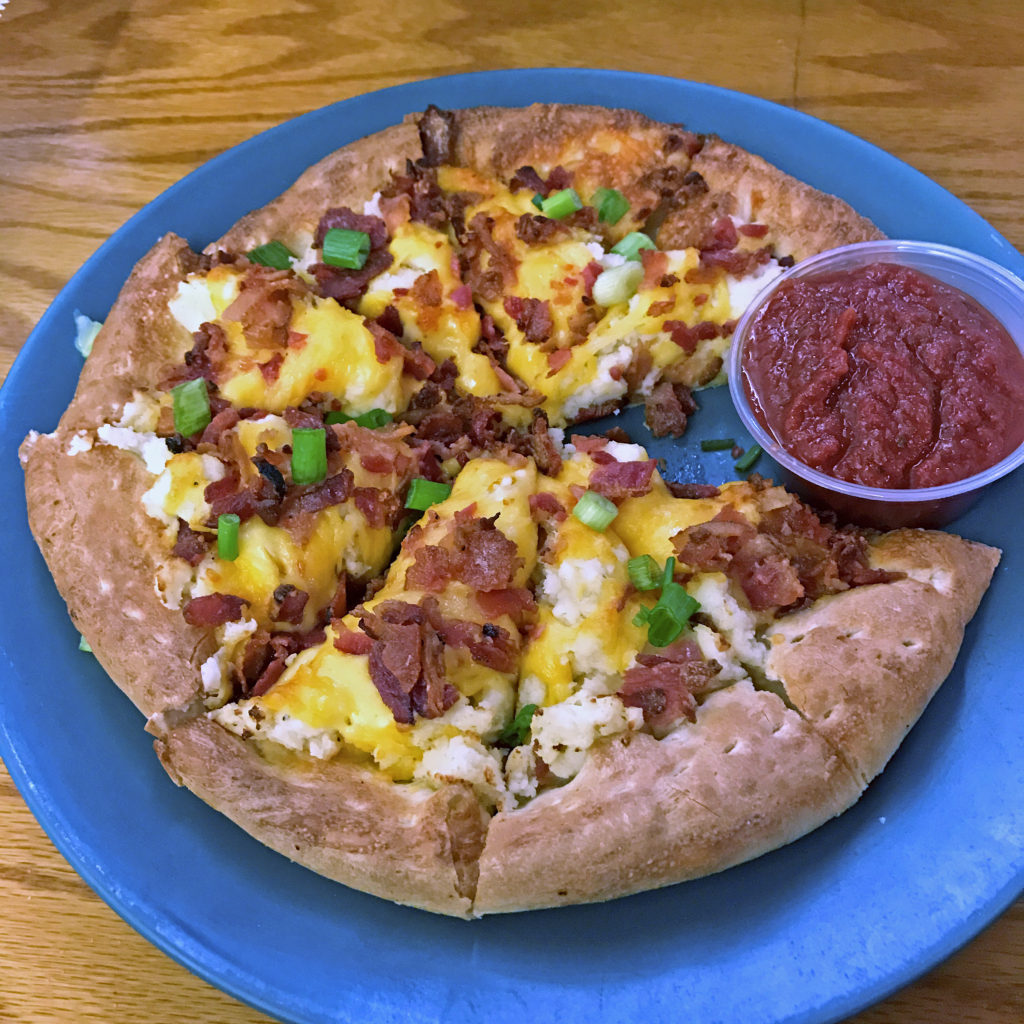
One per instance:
(319,508)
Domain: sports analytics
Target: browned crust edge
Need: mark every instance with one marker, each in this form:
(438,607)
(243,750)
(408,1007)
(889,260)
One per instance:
(344,821)
(862,666)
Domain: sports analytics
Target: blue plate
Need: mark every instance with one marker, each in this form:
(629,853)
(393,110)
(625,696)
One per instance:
(811,933)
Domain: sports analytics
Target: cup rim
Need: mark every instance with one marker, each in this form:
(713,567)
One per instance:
(873,251)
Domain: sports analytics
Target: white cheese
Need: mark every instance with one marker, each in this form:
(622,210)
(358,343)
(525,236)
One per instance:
(463,759)
(80,442)
(150,448)
(573,588)
(563,733)
(192,306)
(743,290)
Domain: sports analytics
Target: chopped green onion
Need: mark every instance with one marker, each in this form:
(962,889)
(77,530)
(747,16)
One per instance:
(309,455)
(641,618)
(83,644)
(611,205)
(630,246)
(86,330)
(227,536)
(753,454)
(617,284)
(272,254)
(345,248)
(561,204)
(595,510)
(538,200)
(670,615)
(424,493)
(517,730)
(373,419)
(643,572)
(717,444)
(191,406)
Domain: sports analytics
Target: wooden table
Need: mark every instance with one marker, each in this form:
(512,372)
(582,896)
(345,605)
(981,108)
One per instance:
(105,103)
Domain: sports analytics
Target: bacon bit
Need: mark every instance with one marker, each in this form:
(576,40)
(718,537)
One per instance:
(464,515)
(379,506)
(339,603)
(320,374)
(385,345)
(663,687)
(591,272)
(226,419)
(558,359)
(291,604)
(661,308)
(417,363)
(619,480)
(546,508)
(667,409)
(668,280)
(700,298)
(589,443)
(431,569)
(271,369)
(213,609)
(297,340)
(686,337)
(615,372)
(515,602)
(462,296)
(333,491)
(532,317)
(655,263)
(682,490)
(192,545)
(349,641)
(753,230)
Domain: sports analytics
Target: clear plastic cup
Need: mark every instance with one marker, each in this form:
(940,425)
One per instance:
(992,286)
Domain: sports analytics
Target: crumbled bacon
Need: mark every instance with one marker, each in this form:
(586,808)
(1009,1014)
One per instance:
(516,602)
(667,409)
(263,305)
(684,490)
(655,263)
(663,685)
(532,317)
(213,609)
(546,452)
(546,509)
(192,545)
(380,506)
(291,603)
(791,556)
(619,480)
(351,641)
(316,497)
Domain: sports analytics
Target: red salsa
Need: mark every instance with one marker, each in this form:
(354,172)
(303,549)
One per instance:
(886,377)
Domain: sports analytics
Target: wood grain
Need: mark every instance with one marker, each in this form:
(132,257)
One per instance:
(105,103)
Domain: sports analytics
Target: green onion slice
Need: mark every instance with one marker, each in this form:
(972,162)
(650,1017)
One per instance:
(227,536)
(191,406)
(745,462)
(595,510)
(373,419)
(670,615)
(538,200)
(561,204)
(630,246)
(617,284)
(309,455)
(83,644)
(642,616)
(644,572)
(345,248)
(718,444)
(518,729)
(272,254)
(424,493)
(611,205)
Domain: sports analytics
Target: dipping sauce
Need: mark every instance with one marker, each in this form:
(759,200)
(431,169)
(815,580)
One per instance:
(883,376)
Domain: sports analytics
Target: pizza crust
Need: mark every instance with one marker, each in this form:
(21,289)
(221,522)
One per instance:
(351,823)
(863,665)
(747,777)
